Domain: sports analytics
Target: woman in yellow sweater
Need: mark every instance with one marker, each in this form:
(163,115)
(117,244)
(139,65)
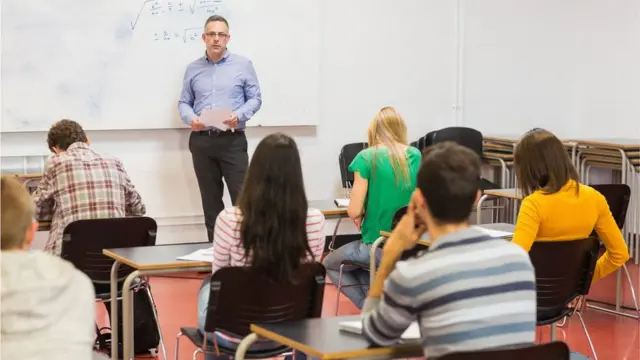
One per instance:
(556,206)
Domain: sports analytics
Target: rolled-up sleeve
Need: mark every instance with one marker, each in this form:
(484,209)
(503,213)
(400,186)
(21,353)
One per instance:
(252,94)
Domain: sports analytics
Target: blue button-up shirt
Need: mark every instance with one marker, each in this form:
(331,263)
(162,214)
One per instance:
(230,83)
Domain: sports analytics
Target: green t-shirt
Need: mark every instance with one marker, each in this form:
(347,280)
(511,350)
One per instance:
(385,195)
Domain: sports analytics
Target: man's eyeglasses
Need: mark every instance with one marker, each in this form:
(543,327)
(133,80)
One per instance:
(213,34)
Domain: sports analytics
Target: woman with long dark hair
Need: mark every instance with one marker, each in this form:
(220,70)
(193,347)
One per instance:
(272,228)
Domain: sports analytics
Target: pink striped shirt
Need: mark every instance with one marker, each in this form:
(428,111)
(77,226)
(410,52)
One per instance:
(227,243)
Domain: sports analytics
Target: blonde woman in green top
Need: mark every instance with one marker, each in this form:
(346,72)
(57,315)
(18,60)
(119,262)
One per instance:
(385,178)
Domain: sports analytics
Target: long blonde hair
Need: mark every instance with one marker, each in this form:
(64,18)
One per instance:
(389,129)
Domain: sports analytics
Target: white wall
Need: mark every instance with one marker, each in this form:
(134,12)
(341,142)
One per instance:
(512,76)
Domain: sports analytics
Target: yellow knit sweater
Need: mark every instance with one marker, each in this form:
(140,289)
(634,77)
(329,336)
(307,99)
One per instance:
(567,216)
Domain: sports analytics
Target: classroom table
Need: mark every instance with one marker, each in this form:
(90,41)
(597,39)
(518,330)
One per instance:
(330,210)
(146,260)
(321,338)
(511,193)
(425,240)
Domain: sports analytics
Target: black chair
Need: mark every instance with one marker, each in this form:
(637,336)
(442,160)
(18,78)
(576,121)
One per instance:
(618,197)
(564,270)
(84,240)
(241,296)
(468,137)
(347,154)
(551,351)
(379,242)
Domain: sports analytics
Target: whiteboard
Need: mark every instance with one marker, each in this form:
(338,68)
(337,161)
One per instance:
(119,64)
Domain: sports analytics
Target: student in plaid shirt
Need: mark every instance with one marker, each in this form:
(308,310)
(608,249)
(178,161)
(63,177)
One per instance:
(81,184)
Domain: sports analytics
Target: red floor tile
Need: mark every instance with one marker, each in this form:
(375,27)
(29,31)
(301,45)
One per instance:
(614,337)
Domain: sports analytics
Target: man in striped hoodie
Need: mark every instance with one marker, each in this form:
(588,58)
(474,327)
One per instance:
(470,291)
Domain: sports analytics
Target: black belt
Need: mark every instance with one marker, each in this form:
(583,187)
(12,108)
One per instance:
(217,132)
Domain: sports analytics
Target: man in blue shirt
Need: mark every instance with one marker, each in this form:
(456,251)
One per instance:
(219,80)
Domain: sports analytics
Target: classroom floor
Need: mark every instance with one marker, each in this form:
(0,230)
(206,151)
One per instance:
(614,337)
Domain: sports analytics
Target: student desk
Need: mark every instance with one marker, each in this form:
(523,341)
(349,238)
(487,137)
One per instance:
(146,260)
(512,194)
(426,240)
(322,339)
(330,210)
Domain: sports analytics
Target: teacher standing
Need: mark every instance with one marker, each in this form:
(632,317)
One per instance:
(219,79)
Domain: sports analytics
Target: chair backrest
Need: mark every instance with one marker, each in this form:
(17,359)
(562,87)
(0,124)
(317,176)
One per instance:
(563,271)
(241,296)
(84,240)
(464,136)
(398,216)
(618,197)
(347,154)
(556,350)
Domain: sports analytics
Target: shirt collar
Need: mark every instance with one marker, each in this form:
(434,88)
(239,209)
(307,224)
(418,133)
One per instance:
(224,56)
(78,145)
(459,235)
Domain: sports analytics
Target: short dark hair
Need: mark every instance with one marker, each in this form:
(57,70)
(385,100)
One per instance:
(64,133)
(542,162)
(449,179)
(214,18)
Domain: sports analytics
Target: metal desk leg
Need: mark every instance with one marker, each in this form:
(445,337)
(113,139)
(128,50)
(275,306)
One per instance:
(114,310)
(127,304)
(127,316)
(479,209)
(618,288)
(335,234)
(244,345)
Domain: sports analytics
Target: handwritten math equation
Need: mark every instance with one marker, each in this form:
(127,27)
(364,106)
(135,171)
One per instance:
(158,9)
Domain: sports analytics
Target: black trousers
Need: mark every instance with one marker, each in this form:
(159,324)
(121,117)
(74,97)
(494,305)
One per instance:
(218,155)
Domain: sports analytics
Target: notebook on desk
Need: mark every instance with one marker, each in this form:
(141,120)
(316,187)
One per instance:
(411,334)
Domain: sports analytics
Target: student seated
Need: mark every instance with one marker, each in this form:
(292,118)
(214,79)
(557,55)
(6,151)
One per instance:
(469,291)
(556,206)
(48,307)
(271,228)
(385,177)
(81,184)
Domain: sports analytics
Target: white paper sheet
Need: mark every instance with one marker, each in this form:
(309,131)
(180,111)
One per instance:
(342,202)
(496,233)
(199,255)
(215,117)
(412,332)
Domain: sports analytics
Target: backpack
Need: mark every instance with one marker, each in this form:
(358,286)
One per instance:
(145,327)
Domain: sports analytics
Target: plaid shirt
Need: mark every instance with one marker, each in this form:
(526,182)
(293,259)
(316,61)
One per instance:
(82,184)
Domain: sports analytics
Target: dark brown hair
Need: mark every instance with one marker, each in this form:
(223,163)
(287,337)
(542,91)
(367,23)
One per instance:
(214,18)
(542,163)
(64,133)
(449,179)
(274,209)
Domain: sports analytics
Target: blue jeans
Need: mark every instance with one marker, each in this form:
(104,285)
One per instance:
(203,301)
(358,252)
